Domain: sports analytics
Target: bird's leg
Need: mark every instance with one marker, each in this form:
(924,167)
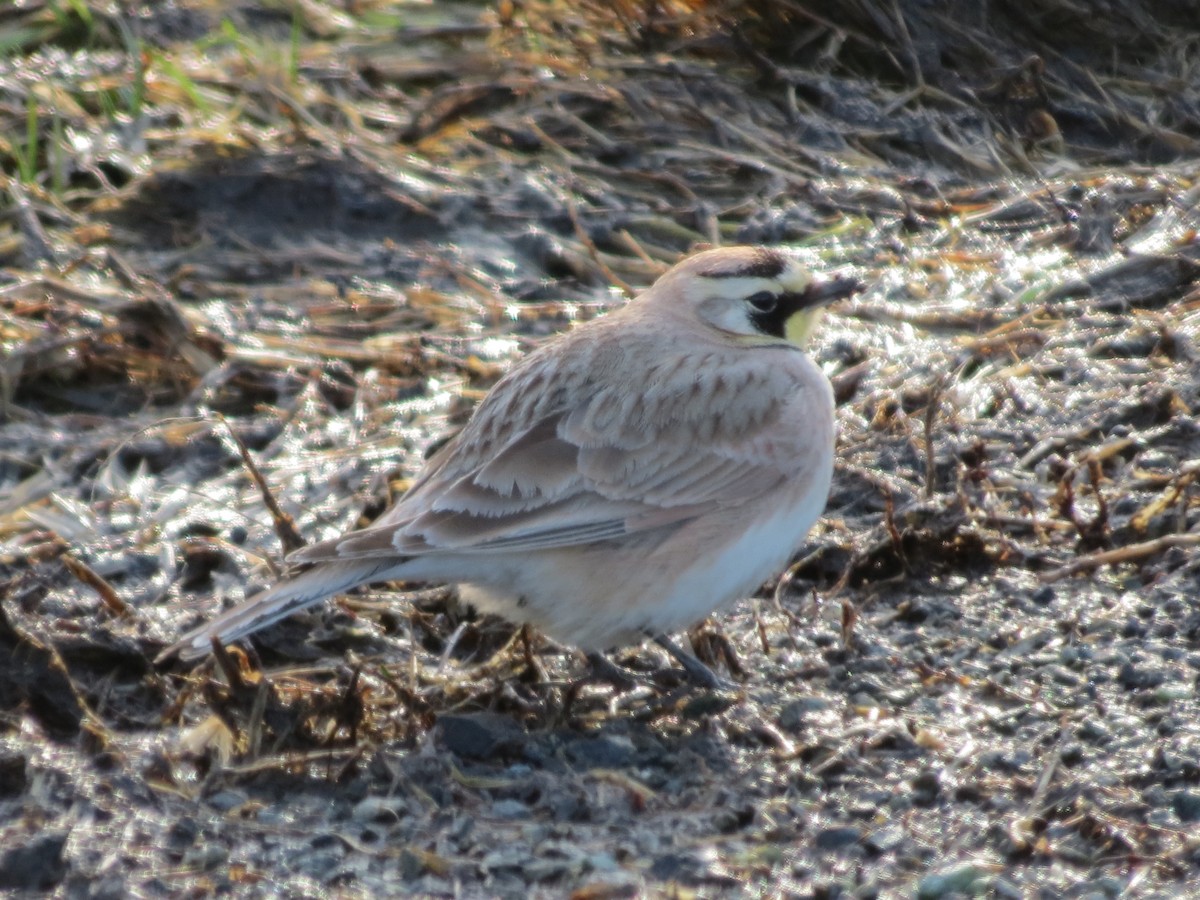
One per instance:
(533,670)
(604,670)
(698,673)
(716,646)
(601,670)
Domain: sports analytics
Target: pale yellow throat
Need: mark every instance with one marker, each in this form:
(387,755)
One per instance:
(800,327)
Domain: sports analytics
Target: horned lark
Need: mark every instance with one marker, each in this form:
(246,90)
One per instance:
(624,480)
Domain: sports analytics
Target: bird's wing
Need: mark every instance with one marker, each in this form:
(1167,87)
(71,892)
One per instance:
(624,458)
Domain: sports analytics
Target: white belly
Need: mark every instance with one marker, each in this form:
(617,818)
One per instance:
(738,568)
(602,599)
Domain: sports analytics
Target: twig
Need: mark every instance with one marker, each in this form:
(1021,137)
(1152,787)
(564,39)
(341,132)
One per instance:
(254,728)
(931,411)
(906,38)
(229,667)
(1021,830)
(889,522)
(1127,553)
(849,620)
(36,246)
(285,526)
(594,252)
(89,576)
(638,250)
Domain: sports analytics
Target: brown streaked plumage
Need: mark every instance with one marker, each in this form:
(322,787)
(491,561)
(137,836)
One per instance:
(622,481)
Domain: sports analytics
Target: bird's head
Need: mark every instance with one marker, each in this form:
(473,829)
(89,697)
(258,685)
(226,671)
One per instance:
(756,294)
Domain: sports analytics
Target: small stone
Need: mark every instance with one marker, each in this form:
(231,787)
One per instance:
(182,834)
(603,752)
(479,735)
(1160,818)
(509,809)
(602,862)
(105,887)
(1186,805)
(1168,693)
(884,839)
(682,867)
(226,800)
(1043,596)
(1180,762)
(410,865)
(1072,754)
(1133,629)
(319,864)
(707,704)
(837,838)
(997,761)
(35,866)
(205,857)
(618,885)
(861,809)
(1063,676)
(1135,677)
(13,774)
(1110,886)
(864,689)
(379,809)
(1006,890)
(925,788)
(966,879)
(795,715)
(1094,733)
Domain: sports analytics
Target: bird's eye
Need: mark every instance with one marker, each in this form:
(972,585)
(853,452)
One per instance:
(763,301)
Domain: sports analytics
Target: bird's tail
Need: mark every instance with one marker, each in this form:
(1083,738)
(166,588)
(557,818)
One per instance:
(277,603)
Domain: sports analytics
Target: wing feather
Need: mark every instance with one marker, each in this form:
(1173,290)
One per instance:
(619,459)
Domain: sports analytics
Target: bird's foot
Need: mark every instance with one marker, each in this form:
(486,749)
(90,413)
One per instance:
(603,670)
(697,672)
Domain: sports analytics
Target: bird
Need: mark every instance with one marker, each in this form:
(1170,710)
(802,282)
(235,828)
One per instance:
(621,482)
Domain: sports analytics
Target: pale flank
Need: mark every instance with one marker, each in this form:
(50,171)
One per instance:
(624,480)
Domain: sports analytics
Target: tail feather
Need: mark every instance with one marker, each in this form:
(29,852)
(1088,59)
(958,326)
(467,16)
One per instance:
(278,602)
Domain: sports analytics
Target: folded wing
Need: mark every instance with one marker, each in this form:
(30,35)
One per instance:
(611,465)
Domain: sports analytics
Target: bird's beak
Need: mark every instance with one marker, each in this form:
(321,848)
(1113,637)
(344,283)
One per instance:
(819,293)
(823,291)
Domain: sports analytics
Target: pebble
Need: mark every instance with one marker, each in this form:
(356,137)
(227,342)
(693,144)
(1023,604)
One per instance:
(35,866)
(837,838)
(1064,676)
(14,777)
(603,752)
(1138,676)
(680,867)
(205,857)
(797,714)
(479,735)
(926,788)
(379,809)
(318,864)
(884,839)
(1094,733)
(968,879)
(1186,805)
(1171,692)
(509,809)
(1043,596)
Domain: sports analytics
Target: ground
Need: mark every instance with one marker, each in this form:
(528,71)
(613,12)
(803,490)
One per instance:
(260,260)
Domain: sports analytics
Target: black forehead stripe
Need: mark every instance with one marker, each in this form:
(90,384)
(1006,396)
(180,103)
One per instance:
(763,265)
